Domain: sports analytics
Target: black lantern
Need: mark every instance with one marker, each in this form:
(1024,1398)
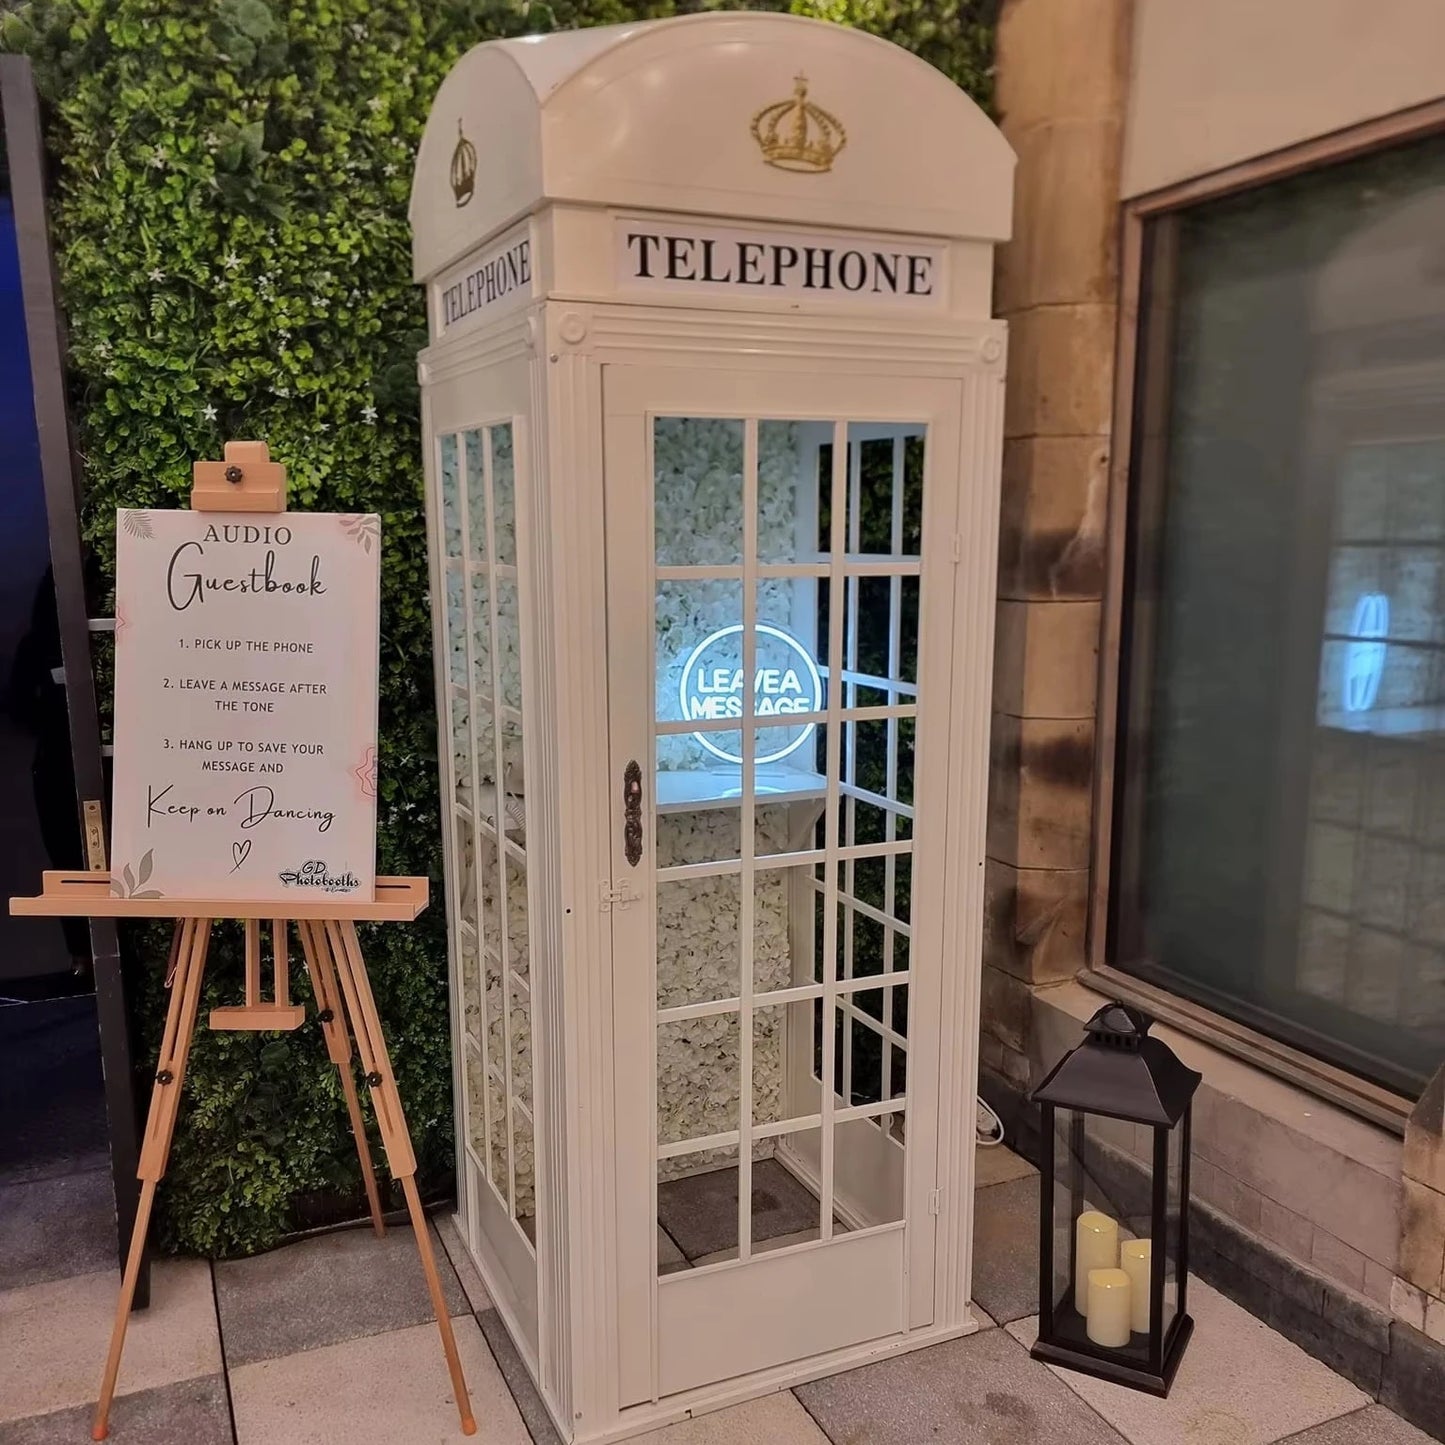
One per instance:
(1114,1205)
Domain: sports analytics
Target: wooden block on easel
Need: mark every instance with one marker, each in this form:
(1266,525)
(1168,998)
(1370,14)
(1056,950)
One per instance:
(259,1017)
(247,481)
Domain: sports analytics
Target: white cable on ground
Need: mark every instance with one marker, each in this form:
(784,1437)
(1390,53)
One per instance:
(989,1127)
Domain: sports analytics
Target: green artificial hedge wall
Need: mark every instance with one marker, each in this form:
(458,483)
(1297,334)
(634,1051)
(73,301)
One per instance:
(229,188)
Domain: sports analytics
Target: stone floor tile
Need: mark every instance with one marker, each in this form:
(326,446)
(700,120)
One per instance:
(56,1336)
(390,1389)
(764,1246)
(1240,1383)
(519,1382)
(997,1165)
(1006,1249)
(982,1390)
(57,1227)
(670,1258)
(193,1412)
(325,1290)
(1374,1425)
(448,1228)
(50,1079)
(701,1211)
(771,1420)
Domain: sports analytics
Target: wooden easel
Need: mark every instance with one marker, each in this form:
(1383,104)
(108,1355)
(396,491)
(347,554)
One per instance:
(248,481)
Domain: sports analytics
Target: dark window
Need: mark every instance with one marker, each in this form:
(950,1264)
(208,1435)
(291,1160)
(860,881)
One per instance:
(1280,803)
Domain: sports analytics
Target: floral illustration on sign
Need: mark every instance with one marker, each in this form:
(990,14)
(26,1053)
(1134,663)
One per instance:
(131,882)
(137,524)
(365,529)
(366,773)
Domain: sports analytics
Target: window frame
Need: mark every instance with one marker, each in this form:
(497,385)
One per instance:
(1149,227)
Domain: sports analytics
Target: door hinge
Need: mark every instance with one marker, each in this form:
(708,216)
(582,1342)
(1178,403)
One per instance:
(935,1201)
(619,896)
(958,546)
(94,836)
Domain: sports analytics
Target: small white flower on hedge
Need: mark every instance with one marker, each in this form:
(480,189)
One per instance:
(157,274)
(368,415)
(209,413)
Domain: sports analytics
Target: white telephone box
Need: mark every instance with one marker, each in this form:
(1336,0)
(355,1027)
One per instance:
(713,406)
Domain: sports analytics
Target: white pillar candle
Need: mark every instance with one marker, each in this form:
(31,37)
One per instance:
(1096,1246)
(1107,1320)
(1135,1258)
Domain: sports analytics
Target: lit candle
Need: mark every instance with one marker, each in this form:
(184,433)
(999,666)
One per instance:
(1134,1260)
(1096,1246)
(1107,1320)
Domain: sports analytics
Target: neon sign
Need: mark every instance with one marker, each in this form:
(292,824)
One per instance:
(1365,658)
(786,682)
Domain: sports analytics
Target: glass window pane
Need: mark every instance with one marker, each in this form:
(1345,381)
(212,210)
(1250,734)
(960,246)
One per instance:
(698,1088)
(697,939)
(518,942)
(509,644)
(471,984)
(697,484)
(461,749)
(1103,1171)
(476,496)
(456,613)
(698,662)
(697,1209)
(482,681)
(504,496)
(450,478)
(1287,789)
(786,1210)
(795,477)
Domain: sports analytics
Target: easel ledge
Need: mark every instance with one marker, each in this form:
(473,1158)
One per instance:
(87,895)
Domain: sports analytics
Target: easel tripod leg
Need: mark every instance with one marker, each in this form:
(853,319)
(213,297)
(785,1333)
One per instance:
(332,1014)
(371,1043)
(190,965)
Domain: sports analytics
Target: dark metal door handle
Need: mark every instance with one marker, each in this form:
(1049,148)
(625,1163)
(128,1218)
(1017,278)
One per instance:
(632,814)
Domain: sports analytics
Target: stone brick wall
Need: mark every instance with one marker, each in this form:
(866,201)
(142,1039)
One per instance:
(1062,82)
(1418,1295)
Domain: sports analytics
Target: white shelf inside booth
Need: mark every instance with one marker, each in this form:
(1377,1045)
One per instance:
(692,790)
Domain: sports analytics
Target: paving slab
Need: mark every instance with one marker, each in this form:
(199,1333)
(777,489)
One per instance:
(700,1212)
(981,1390)
(56,1336)
(1006,1248)
(1240,1383)
(57,1227)
(322,1291)
(193,1412)
(519,1381)
(50,1079)
(771,1420)
(670,1258)
(389,1389)
(997,1165)
(448,1228)
(1374,1425)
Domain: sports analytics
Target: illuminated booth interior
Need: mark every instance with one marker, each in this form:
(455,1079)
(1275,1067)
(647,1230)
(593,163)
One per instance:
(712,408)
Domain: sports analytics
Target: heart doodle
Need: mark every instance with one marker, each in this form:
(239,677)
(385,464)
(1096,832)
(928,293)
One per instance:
(239,852)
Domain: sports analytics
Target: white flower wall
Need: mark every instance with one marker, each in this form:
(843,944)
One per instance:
(699,522)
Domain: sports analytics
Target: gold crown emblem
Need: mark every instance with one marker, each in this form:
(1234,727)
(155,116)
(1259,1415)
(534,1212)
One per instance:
(464,168)
(796,135)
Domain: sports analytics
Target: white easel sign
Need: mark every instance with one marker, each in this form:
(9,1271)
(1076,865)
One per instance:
(245,704)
